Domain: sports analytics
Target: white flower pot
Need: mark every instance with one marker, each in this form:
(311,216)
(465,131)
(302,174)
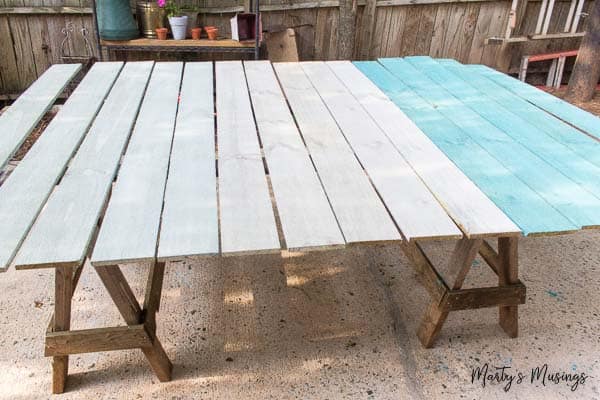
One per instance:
(178,27)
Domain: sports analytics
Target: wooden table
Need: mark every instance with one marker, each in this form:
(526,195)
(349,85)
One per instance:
(401,150)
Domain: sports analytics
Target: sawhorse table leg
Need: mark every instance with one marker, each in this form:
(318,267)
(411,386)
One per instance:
(509,293)
(140,331)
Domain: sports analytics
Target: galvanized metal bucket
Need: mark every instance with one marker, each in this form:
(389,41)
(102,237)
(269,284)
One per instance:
(150,16)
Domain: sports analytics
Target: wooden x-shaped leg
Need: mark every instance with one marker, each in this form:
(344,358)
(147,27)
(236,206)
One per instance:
(450,297)
(140,331)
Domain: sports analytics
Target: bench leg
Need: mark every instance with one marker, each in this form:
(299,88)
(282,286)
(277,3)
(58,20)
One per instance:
(63,289)
(130,310)
(509,293)
(508,273)
(460,264)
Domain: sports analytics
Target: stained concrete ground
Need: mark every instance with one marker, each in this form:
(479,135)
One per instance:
(330,325)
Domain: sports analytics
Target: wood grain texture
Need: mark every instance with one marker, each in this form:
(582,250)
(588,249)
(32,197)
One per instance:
(585,146)
(64,229)
(190,223)
(24,192)
(458,81)
(247,217)
(570,199)
(23,115)
(415,210)
(456,131)
(574,115)
(360,213)
(130,226)
(469,207)
(306,216)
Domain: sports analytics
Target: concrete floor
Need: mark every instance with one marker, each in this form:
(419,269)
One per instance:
(335,325)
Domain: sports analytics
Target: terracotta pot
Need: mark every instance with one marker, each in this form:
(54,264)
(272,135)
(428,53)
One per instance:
(212,33)
(161,33)
(196,33)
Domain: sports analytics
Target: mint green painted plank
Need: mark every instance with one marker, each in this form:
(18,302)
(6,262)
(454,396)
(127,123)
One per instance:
(570,199)
(23,115)
(567,112)
(64,229)
(524,206)
(583,145)
(26,190)
(521,130)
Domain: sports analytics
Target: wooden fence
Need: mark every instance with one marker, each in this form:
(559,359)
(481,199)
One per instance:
(32,32)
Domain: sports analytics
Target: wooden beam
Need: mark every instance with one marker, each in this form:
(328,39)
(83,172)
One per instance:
(490,256)
(121,293)
(95,340)
(465,299)
(508,275)
(427,273)
(63,289)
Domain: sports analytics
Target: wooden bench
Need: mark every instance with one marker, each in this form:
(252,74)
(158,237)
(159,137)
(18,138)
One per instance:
(396,151)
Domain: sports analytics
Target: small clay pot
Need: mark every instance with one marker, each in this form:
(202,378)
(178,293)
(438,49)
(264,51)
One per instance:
(212,33)
(161,33)
(196,33)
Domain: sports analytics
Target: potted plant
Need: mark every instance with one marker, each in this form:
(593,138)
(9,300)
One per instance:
(151,16)
(177,21)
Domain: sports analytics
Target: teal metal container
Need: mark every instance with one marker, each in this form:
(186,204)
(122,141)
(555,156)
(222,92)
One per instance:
(115,20)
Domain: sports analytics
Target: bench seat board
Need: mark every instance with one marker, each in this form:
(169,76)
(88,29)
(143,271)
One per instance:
(26,189)
(415,210)
(518,201)
(585,146)
(23,115)
(563,159)
(469,207)
(190,225)
(359,211)
(63,231)
(129,230)
(571,200)
(574,115)
(246,212)
(306,217)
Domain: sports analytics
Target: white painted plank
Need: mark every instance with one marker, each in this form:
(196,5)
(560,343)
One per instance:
(190,225)
(129,231)
(24,192)
(306,216)
(63,231)
(359,211)
(415,210)
(23,115)
(247,218)
(470,208)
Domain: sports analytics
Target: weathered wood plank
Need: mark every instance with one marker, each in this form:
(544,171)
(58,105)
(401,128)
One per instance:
(24,192)
(468,206)
(560,131)
(507,297)
(96,340)
(461,133)
(415,210)
(22,116)
(247,217)
(461,84)
(130,226)
(574,115)
(508,276)
(190,225)
(306,216)
(360,214)
(63,231)
(560,191)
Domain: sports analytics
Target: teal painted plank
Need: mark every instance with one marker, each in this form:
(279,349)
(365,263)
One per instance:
(524,206)
(567,112)
(570,199)
(521,130)
(583,145)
